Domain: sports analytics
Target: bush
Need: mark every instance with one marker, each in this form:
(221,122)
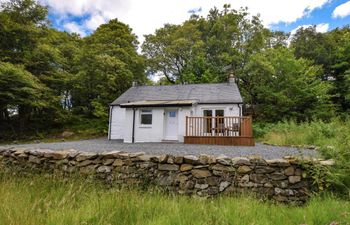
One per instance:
(332,139)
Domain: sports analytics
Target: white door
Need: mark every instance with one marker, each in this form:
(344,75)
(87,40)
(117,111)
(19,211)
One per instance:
(171,124)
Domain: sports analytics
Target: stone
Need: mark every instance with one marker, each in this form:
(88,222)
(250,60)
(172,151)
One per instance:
(170,160)
(186,167)
(163,158)
(55,154)
(223,159)
(264,169)
(203,159)
(280,183)
(220,167)
(289,171)
(329,162)
(244,169)
(278,162)
(199,173)
(268,185)
(165,180)
(191,159)
(168,167)
(277,176)
(224,185)
(187,185)
(178,159)
(144,158)
(201,186)
(34,159)
(212,181)
(181,178)
(248,184)
(294,179)
(88,169)
(298,172)
(104,169)
(111,154)
(118,162)
(258,178)
(136,154)
(86,155)
(66,134)
(84,163)
(124,155)
(241,161)
(278,191)
(245,178)
(108,162)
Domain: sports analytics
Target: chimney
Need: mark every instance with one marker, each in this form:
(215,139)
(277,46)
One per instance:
(134,83)
(231,79)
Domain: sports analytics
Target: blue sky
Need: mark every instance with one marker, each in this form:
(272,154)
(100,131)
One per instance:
(84,16)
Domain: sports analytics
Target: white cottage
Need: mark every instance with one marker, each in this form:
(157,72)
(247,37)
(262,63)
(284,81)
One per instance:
(172,112)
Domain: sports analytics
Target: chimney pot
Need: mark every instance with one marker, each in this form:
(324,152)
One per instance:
(231,79)
(134,84)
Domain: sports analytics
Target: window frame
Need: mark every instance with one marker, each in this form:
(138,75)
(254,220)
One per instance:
(146,112)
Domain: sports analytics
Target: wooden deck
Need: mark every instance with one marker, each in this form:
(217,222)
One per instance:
(220,130)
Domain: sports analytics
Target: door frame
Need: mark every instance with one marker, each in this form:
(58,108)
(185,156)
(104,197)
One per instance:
(213,122)
(166,116)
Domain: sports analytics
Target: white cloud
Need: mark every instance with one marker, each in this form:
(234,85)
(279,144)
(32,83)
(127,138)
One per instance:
(321,28)
(146,16)
(95,21)
(342,10)
(74,28)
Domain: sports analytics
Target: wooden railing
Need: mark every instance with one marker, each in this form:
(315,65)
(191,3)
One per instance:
(220,126)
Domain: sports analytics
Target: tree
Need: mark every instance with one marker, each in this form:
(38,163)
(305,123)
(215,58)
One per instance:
(279,86)
(198,50)
(19,90)
(331,51)
(107,65)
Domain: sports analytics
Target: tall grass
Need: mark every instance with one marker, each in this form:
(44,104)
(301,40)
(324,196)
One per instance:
(332,138)
(37,200)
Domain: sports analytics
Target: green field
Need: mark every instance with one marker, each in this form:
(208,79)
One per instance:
(42,199)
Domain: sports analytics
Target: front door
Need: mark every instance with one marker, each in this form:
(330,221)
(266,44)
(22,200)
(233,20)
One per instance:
(171,122)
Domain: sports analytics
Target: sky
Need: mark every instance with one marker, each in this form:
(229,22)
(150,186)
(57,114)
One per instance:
(145,16)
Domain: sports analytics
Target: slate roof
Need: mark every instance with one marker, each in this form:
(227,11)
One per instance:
(202,93)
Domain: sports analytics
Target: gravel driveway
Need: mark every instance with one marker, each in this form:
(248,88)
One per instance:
(101,145)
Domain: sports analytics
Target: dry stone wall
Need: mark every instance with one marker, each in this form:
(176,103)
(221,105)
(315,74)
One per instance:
(279,179)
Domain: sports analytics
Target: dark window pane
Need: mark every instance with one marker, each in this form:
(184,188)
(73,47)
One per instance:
(146,119)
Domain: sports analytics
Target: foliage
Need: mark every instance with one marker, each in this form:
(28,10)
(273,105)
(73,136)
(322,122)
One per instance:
(57,200)
(332,139)
(49,78)
(279,86)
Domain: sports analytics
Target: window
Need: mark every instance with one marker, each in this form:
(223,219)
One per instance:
(172,114)
(146,117)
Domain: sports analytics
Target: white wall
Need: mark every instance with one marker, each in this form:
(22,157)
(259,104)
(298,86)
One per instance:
(117,123)
(122,122)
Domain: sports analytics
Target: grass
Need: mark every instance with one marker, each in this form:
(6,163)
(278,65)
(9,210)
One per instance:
(317,133)
(80,129)
(38,199)
(332,139)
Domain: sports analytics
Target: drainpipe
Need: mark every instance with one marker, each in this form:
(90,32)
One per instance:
(110,122)
(133,126)
(240,109)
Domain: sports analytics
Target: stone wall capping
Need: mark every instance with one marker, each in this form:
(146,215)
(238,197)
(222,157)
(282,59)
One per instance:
(278,162)
(203,175)
(241,161)
(192,159)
